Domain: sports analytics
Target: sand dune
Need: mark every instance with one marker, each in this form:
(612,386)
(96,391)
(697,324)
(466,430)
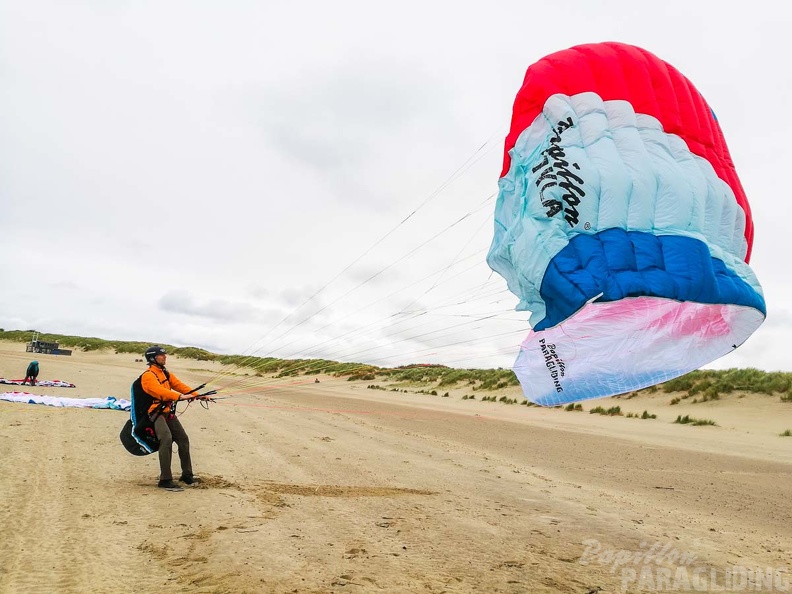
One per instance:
(332,487)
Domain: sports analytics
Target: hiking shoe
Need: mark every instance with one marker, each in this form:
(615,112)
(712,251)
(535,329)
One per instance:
(190,480)
(169,485)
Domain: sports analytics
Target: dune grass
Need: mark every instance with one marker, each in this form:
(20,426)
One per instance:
(705,385)
(701,385)
(688,420)
(613,411)
(645,415)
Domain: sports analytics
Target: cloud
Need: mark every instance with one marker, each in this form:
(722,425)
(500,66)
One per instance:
(182,302)
(344,129)
(326,120)
(258,292)
(66,285)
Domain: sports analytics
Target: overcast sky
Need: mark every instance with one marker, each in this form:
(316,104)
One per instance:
(317,179)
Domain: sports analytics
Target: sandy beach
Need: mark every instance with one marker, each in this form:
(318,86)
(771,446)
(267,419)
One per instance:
(334,487)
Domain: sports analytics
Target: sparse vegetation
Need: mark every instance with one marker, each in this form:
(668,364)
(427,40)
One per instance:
(714,383)
(702,385)
(787,433)
(645,415)
(503,399)
(574,407)
(688,420)
(613,411)
(421,374)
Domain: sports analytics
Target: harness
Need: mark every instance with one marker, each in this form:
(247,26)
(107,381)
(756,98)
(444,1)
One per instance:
(163,404)
(138,435)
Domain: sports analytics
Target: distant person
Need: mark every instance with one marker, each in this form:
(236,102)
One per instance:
(32,373)
(166,390)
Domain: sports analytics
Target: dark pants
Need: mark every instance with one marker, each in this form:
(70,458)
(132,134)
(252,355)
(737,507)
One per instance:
(167,432)
(31,379)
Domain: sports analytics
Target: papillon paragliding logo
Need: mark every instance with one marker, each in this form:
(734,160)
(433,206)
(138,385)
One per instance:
(554,363)
(621,225)
(555,170)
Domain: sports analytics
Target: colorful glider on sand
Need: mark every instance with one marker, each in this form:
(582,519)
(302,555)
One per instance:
(621,225)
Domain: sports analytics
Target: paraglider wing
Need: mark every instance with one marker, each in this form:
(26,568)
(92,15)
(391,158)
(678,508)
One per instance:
(621,225)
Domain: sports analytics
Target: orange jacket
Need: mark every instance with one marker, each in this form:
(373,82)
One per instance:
(160,388)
